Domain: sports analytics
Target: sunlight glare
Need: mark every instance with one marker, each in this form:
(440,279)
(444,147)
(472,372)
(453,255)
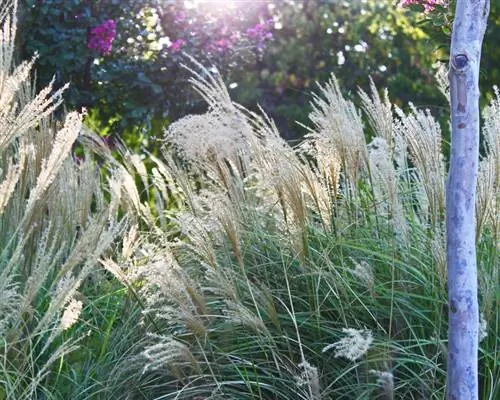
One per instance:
(213,4)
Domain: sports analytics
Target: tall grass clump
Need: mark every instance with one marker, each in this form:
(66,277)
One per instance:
(316,272)
(57,219)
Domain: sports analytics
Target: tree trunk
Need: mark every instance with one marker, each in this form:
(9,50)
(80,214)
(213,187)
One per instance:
(467,37)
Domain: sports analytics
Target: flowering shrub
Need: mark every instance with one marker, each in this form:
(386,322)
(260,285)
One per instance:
(429,5)
(261,33)
(79,42)
(270,51)
(222,45)
(177,45)
(101,37)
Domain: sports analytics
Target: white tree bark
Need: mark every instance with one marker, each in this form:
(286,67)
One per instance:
(468,31)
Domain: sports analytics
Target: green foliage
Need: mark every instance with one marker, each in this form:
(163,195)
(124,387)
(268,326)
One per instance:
(111,338)
(353,40)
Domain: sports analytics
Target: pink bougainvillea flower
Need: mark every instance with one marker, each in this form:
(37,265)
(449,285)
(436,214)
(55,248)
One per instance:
(101,37)
(429,5)
(222,44)
(180,16)
(260,33)
(177,45)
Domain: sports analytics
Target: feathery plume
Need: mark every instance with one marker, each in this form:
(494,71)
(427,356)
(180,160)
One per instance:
(378,111)
(353,346)
(423,135)
(71,314)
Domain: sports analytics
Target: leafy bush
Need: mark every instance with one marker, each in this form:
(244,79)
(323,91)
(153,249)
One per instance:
(272,53)
(131,81)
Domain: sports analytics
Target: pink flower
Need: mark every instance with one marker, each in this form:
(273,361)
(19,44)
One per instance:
(101,37)
(260,33)
(177,45)
(180,16)
(429,5)
(235,36)
(223,44)
(257,31)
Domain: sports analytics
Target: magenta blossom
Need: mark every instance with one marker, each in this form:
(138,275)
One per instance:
(180,16)
(429,5)
(222,44)
(101,37)
(261,33)
(177,45)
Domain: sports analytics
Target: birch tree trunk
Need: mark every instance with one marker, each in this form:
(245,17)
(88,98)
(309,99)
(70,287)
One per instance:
(467,37)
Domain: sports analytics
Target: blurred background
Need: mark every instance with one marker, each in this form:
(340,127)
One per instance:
(123,58)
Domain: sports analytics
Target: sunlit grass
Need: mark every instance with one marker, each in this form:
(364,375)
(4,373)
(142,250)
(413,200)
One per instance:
(286,253)
(252,270)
